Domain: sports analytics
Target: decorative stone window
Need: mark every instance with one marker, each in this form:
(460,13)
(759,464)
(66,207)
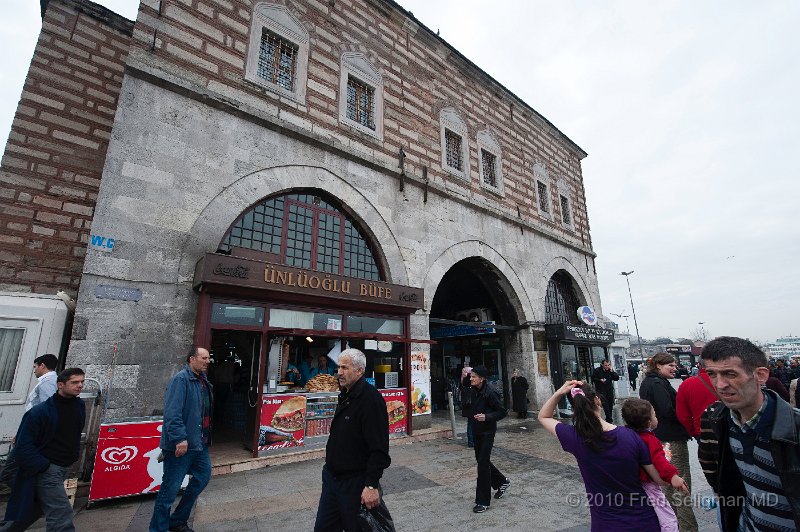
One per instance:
(544,197)
(491,163)
(542,183)
(361,95)
(455,151)
(277,57)
(565,203)
(566,217)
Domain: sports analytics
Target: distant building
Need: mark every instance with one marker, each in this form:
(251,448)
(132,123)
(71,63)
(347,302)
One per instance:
(786,347)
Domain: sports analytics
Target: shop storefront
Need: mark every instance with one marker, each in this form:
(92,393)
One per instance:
(575,350)
(275,333)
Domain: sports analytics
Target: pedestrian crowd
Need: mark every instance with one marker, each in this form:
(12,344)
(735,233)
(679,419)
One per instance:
(636,476)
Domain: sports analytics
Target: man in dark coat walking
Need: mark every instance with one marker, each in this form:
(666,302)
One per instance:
(486,412)
(603,378)
(47,444)
(519,394)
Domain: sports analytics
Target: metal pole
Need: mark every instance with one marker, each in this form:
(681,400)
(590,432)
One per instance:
(452,413)
(635,323)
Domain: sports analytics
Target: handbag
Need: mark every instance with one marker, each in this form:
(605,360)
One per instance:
(376,520)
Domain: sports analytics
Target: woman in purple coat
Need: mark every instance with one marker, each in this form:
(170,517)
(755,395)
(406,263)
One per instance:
(609,458)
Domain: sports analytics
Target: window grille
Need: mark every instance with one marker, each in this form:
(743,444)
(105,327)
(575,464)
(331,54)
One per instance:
(561,303)
(488,162)
(565,210)
(307,231)
(544,204)
(360,102)
(277,60)
(453,150)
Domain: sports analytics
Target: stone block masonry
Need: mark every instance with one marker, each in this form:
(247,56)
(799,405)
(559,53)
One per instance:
(54,156)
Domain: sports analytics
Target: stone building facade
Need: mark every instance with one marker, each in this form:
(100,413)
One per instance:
(225,103)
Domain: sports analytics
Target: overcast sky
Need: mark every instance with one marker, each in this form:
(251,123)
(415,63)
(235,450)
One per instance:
(691,117)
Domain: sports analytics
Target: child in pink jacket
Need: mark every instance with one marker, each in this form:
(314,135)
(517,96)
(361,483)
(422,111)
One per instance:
(640,416)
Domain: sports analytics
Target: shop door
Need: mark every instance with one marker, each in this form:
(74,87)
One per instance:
(234,372)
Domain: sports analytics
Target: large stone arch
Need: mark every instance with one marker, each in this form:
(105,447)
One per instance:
(562,263)
(222,210)
(515,290)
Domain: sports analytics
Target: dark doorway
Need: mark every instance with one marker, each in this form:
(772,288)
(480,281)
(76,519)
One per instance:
(234,372)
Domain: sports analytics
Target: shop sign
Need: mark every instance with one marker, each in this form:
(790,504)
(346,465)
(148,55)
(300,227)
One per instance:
(239,271)
(120,293)
(580,333)
(283,422)
(334,324)
(396,410)
(101,243)
(463,330)
(126,462)
(420,383)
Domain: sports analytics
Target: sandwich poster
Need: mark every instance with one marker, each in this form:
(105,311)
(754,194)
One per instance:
(396,409)
(283,422)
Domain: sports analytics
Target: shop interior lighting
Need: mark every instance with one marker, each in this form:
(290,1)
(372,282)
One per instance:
(309,339)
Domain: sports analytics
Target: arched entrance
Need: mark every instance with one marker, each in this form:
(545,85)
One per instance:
(575,348)
(471,317)
(294,281)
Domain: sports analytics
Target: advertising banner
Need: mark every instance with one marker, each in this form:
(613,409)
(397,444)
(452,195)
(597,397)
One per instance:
(283,422)
(126,462)
(420,383)
(396,409)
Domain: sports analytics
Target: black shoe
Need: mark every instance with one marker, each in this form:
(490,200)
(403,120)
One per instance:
(479,508)
(180,528)
(502,489)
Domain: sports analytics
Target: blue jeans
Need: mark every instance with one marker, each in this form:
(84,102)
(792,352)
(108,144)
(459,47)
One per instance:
(51,500)
(339,503)
(195,463)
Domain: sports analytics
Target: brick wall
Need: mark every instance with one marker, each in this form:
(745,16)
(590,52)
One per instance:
(205,43)
(54,157)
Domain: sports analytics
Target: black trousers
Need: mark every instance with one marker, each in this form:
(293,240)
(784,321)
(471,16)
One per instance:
(608,406)
(339,503)
(488,476)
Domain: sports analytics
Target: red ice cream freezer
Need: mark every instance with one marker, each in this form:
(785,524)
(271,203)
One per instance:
(126,462)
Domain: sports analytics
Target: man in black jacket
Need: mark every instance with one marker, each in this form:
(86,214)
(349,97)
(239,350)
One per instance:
(357,451)
(48,443)
(603,378)
(486,411)
(749,444)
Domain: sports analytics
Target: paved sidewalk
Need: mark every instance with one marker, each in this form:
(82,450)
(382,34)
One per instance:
(430,486)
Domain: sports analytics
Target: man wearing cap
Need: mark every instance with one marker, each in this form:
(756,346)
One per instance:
(486,411)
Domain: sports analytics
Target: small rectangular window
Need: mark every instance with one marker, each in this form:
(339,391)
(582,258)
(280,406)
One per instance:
(544,204)
(10,349)
(488,164)
(453,150)
(277,60)
(565,210)
(360,102)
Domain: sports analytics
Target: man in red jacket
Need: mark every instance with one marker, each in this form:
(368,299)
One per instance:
(695,394)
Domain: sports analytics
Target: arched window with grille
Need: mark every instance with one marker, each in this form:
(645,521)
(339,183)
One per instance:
(561,303)
(308,230)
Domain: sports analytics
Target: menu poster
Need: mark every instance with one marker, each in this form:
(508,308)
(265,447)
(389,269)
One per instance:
(396,408)
(420,383)
(283,422)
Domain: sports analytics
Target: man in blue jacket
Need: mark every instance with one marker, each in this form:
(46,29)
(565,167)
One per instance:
(185,437)
(48,442)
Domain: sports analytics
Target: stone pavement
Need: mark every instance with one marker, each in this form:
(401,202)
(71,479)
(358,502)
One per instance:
(430,486)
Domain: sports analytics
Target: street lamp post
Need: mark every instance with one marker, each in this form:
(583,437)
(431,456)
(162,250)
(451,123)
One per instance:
(626,316)
(635,323)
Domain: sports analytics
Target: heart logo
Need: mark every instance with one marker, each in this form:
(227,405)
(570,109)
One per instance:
(119,455)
